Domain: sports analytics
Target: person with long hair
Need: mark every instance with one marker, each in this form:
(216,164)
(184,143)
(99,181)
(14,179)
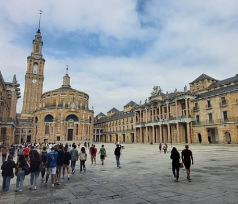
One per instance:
(35,169)
(83,158)
(67,158)
(20,173)
(175,156)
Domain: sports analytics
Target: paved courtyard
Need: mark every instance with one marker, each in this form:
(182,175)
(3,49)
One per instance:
(145,176)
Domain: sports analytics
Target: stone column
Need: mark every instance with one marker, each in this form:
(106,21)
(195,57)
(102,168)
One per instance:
(188,133)
(167,115)
(146,115)
(20,137)
(140,134)
(186,106)
(99,137)
(156,118)
(160,133)
(95,135)
(153,133)
(178,135)
(26,135)
(169,137)
(146,132)
(176,108)
(152,116)
(140,117)
(159,112)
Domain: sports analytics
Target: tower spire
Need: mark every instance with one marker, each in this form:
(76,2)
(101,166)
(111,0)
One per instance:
(40,12)
(67,68)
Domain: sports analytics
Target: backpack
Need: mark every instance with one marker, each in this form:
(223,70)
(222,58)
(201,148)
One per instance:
(20,152)
(43,157)
(26,169)
(12,151)
(93,150)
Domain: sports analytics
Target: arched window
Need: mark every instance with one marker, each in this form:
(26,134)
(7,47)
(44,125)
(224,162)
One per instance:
(72,117)
(48,119)
(35,68)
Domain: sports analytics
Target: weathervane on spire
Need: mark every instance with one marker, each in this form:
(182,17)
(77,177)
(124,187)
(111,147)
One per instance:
(67,68)
(40,12)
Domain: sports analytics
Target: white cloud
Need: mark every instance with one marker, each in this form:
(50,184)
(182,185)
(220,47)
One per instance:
(187,38)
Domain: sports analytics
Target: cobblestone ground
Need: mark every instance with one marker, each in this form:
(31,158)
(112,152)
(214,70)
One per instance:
(145,176)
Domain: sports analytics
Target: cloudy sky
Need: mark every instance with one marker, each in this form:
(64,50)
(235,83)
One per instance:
(117,50)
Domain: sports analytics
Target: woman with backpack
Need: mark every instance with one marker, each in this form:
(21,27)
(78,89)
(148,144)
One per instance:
(83,158)
(20,173)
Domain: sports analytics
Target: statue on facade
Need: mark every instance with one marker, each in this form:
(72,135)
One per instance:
(185,88)
(156,90)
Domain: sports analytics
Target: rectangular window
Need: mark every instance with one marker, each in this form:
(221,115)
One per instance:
(223,101)
(225,116)
(197,118)
(196,105)
(37,48)
(209,104)
(210,117)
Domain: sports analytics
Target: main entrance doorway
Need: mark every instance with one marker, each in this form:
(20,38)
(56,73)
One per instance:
(70,134)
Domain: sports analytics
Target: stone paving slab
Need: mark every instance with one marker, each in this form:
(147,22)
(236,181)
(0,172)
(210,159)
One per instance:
(145,176)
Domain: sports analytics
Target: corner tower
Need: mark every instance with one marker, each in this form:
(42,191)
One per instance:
(34,78)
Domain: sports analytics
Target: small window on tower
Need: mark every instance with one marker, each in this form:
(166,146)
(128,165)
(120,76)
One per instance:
(37,48)
(35,68)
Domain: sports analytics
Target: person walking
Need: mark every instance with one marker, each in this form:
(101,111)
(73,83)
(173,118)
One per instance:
(175,156)
(51,166)
(43,157)
(187,157)
(160,147)
(102,153)
(117,153)
(93,154)
(34,169)
(7,173)
(60,162)
(4,153)
(12,151)
(83,158)
(67,158)
(26,151)
(20,174)
(74,157)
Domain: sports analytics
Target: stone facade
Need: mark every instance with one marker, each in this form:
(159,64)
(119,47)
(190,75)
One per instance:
(59,115)
(9,94)
(116,126)
(206,113)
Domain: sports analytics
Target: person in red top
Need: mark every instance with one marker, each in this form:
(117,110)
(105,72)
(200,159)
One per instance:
(93,154)
(26,151)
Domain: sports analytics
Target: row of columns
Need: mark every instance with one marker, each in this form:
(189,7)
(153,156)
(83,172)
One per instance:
(168,106)
(160,132)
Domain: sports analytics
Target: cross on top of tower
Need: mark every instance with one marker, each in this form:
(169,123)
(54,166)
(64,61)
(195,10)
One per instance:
(67,68)
(40,12)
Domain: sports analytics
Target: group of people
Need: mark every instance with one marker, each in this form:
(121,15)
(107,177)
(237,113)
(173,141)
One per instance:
(55,164)
(178,162)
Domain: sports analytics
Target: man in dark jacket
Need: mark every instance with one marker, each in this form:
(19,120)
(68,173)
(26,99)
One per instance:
(117,153)
(7,172)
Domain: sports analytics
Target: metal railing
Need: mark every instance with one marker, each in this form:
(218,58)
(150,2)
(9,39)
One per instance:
(217,121)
